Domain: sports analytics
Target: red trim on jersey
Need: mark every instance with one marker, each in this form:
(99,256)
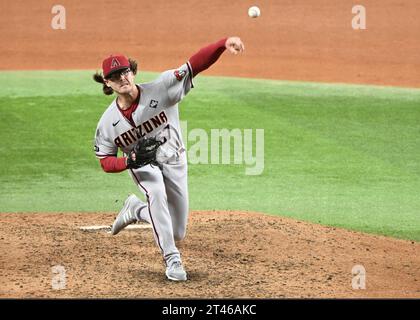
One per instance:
(128,113)
(206,56)
(113,164)
(105,155)
(191,74)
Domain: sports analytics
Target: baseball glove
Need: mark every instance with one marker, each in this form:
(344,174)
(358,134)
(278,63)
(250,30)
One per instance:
(144,153)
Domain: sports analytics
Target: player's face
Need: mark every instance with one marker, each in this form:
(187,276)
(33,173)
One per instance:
(121,82)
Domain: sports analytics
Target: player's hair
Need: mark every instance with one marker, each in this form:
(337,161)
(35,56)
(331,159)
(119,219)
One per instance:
(98,77)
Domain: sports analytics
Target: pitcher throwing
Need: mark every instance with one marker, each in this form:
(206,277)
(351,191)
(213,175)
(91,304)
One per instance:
(143,122)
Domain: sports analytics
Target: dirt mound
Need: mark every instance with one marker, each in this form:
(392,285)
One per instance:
(226,254)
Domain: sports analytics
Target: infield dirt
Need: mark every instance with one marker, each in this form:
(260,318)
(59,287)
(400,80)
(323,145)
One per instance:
(291,40)
(226,254)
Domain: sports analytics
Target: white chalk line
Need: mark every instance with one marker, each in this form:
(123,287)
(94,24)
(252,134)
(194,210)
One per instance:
(108,228)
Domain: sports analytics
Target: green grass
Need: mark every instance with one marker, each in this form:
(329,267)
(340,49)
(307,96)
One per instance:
(341,155)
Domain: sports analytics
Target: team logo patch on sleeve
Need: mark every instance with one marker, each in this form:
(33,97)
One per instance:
(180,74)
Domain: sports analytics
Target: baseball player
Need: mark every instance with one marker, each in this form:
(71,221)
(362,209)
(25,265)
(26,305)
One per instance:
(150,111)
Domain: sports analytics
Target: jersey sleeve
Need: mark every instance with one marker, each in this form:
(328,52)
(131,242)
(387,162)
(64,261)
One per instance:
(103,147)
(178,82)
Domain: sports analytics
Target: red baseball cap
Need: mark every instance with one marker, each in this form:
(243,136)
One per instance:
(114,63)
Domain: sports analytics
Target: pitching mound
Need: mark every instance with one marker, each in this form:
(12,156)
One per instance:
(226,254)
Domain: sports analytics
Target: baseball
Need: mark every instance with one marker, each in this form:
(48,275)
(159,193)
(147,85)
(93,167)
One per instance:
(254,12)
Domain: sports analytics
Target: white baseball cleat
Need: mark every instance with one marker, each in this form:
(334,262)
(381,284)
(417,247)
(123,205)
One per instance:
(175,271)
(125,217)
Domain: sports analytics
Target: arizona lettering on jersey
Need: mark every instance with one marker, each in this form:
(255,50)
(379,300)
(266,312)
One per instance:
(133,135)
(157,111)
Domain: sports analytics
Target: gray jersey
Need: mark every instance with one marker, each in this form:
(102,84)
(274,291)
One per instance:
(156,115)
(165,187)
